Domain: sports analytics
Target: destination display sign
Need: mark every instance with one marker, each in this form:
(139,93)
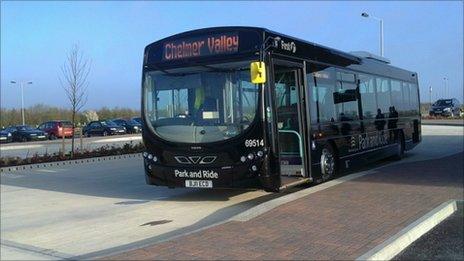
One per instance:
(219,44)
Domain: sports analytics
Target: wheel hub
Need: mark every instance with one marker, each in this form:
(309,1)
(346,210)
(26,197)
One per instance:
(328,164)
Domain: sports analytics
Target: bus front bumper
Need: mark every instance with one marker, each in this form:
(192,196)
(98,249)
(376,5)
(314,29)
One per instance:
(220,177)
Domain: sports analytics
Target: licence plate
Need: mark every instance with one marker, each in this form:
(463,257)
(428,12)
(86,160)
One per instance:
(198,183)
(41,136)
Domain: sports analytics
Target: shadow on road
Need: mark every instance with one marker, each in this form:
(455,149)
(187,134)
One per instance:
(129,186)
(220,215)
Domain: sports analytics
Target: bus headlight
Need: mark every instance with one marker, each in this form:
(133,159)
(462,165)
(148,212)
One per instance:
(150,157)
(254,168)
(155,159)
(259,153)
(145,154)
(242,158)
(251,156)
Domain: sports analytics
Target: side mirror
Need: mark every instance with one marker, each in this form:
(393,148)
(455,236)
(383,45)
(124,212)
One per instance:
(258,72)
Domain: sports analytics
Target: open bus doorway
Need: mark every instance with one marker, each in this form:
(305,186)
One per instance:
(290,127)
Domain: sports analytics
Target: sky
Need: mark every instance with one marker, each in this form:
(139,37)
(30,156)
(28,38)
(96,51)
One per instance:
(426,37)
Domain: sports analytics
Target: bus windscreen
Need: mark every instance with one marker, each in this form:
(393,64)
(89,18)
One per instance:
(200,107)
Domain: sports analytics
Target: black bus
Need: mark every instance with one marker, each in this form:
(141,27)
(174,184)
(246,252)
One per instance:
(249,107)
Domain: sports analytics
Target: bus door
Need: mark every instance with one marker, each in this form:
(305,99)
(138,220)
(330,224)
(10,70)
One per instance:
(288,90)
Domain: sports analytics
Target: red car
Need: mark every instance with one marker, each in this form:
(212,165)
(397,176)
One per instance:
(56,129)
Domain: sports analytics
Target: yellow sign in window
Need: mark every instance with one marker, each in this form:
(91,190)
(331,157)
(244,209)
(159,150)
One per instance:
(258,72)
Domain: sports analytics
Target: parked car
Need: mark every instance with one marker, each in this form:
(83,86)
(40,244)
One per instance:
(26,133)
(446,107)
(131,125)
(103,128)
(56,129)
(5,136)
(137,119)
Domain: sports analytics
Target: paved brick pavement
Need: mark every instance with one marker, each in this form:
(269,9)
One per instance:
(341,222)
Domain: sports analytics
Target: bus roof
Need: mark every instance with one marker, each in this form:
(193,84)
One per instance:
(181,49)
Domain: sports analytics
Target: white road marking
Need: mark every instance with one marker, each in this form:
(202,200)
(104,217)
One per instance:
(117,139)
(47,170)
(21,147)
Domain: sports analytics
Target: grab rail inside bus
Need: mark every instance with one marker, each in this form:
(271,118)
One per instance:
(300,142)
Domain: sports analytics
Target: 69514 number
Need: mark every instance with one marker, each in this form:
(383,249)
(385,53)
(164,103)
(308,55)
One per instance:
(254,143)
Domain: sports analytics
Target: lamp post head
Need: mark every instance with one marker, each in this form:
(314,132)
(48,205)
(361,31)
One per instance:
(365,15)
(12,81)
(29,82)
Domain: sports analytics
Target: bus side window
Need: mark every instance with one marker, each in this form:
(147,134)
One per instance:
(414,98)
(347,110)
(367,90)
(406,99)
(321,81)
(313,106)
(383,95)
(397,96)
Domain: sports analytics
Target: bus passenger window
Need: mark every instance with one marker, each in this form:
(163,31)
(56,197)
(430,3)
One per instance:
(321,81)
(347,108)
(383,95)
(367,90)
(406,98)
(414,98)
(397,96)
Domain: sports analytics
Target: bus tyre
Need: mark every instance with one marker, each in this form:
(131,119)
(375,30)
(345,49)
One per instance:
(52,136)
(105,133)
(328,163)
(399,146)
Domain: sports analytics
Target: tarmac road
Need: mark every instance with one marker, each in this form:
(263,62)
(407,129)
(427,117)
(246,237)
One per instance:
(27,149)
(63,212)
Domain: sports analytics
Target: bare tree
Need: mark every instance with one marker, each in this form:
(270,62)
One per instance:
(90,115)
(73,79)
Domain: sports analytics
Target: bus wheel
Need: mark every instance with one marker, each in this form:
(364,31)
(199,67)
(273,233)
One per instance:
(399,146)
(328,163)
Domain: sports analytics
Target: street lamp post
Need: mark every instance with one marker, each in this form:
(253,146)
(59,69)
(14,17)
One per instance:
(21,85)
(381,29)
(446,87)
(430,90)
